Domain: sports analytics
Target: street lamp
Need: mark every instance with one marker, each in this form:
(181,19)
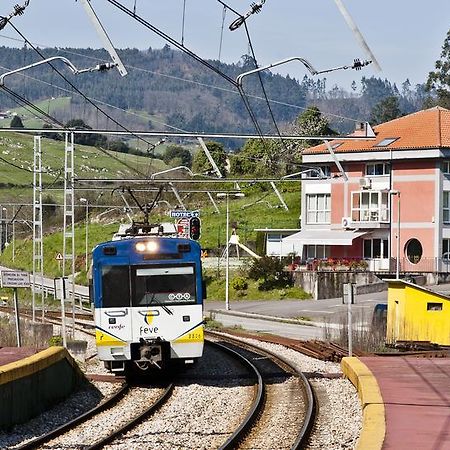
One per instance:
(397,266)
(227,195)
(85,200)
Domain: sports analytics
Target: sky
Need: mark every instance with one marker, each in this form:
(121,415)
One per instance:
(406,36)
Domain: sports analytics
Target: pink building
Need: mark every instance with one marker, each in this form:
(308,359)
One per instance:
(401,177)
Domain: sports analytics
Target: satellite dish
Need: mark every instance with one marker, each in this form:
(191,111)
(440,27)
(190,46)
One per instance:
(358,35)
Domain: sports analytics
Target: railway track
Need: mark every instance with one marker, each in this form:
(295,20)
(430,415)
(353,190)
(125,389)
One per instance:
(287,418)
(106,422)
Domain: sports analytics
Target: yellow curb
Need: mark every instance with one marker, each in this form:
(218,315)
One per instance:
(32,364)
(374,423)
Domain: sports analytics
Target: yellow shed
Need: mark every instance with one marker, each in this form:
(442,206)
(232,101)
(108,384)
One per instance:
(417,314)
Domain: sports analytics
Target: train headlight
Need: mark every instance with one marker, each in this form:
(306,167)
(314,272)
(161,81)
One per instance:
(152,246)
(146,247)
(140,247)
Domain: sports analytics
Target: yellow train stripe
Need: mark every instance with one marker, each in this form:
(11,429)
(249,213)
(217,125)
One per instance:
(104,339)
(194,335)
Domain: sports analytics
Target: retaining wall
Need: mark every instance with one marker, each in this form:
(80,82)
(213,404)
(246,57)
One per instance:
(32,385)
(322,285)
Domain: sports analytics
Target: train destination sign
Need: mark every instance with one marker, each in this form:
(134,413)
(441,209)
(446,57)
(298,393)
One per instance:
(184,214)
(15,279)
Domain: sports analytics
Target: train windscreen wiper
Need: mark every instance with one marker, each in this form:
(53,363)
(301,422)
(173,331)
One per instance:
(158,303)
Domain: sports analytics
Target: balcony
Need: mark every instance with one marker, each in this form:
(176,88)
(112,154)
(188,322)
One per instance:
(370,209)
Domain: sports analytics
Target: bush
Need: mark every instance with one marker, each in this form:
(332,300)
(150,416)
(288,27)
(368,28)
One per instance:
(271,273)
(55,341)
(239,284)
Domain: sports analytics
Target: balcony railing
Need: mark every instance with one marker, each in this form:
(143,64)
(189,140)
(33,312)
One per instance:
(380,265)
(370,215)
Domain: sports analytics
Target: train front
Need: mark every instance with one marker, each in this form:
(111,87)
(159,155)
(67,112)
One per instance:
(148,297)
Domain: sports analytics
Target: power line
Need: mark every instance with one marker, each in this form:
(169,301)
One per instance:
(75,88)
(191,54)
(173,77)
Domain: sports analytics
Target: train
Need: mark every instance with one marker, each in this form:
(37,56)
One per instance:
(148,293)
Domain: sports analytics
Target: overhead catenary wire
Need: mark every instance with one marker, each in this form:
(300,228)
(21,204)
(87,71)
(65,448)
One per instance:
(19,99)
(75,88)
(224,13)
(189,52)
(173,77)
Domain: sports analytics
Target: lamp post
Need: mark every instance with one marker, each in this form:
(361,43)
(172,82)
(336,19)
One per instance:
(85,200)
(397,265)
(227,195)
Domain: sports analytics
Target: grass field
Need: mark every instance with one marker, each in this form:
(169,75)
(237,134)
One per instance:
(16,163)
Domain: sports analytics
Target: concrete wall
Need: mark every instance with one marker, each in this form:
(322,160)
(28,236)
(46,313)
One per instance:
(322,285)
(31,385)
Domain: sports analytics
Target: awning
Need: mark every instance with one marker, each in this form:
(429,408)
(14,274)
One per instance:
(324,237)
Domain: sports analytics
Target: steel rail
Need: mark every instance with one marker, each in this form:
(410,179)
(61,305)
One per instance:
(136,420)
(257,404)
(311,408)
(47,437)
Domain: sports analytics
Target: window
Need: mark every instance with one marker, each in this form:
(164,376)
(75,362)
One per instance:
(317,251)
(115,286)
(434,306)
(377,169)
(168,285)
(446,250)
(413,250)
(370,206)
(446,167)
(385,142)
(446,207)
(318,208)
(325,169)
(376,248)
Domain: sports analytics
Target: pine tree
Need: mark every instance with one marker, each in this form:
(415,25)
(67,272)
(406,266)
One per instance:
(439,80)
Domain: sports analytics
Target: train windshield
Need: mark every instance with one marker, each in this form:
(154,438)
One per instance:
(115,286)
(164,285)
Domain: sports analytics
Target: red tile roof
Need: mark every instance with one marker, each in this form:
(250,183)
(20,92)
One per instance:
(424,129)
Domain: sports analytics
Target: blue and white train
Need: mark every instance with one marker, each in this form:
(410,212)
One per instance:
(148,296)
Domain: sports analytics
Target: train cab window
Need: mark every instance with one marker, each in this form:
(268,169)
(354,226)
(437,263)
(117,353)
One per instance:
(163,285)
(115,286)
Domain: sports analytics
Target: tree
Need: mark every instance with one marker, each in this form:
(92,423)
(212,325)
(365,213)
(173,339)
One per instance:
(386,110)
(312,123)
(88,138)
(201,163)
(16,122)
(257,158)
(439,80)
(181,155)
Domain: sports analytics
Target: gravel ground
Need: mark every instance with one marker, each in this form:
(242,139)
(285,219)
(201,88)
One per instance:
(99,426)
(277,426)
(339,421)
(203,410)
(195,417)
(79,402)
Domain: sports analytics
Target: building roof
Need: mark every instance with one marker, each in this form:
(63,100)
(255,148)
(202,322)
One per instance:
(425,129)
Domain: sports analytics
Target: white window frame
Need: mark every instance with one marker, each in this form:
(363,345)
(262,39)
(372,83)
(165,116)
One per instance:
(384,245)
(446,207)
(317,251)
(373,210)
(371,169)
(316,214)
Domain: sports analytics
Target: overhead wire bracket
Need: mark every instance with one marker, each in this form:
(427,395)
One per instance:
(210,158)
(104,36)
